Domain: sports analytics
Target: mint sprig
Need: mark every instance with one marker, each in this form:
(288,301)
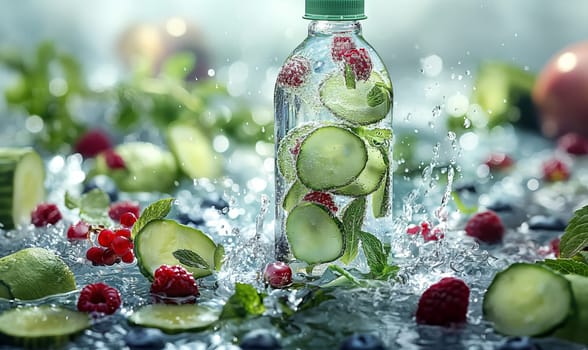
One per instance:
(189,258)
(93,206)
(349,77)
(246,301)
(567,266)
(377,257)
(575,238)
(156,210)
(376,96)
(353,216)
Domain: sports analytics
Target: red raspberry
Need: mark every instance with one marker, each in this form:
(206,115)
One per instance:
(45,214)
(552,248)
(93,143)
(485,227)
(499,161)
(360,63)
(294,72)
(296,149)
(113,160)
(340,45)
(573,143)
(79,230)
(119,208)
(128,219)
(555,170)
(99,297)
(425,230)
(444,303)
(174,282)
(322,198)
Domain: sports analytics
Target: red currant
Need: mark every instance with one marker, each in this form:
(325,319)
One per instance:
(123,232)
(128,219)
(109,257)
(78,230)
(121,245)
(277,274)
(95,254)
(128,257)
(105,237)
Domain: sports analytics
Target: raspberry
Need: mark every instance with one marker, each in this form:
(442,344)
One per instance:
(322,198)
(555,170)
(552,248)
(360,63)
(93,143)
(485,227)
(277,274)
(45,214)
(425,230)
(340,45)
(294,72)
(573,143)
(113,160)
(128,219)
(79,230)
(119,208)
(444,303)
(99,297)
(498,161)
(174,282)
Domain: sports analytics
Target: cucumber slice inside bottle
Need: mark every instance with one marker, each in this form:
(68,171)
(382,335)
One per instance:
(294,195)
(193,151)
(353,105)
(42,326)
(528,300)
(288,148)
(369,179)
(381,197)
(330,157)
(22,185)
(159,239)
(175,318)
(314,233)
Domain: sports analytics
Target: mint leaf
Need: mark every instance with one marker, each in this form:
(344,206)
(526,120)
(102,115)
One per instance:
(353,216)
(71,202)
(376,96)
(567,266)
(246,301)
(93,206)
(156,210)
(349,77)
(313,298)
(190,258)
(374,252)
(219,256)
(575,238)
(345,273)
(376,137)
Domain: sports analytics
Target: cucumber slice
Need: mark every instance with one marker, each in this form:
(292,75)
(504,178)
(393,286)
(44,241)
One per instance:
(528,300)
(369,179)
(381,198)
(314,233)
(330,157)
(42,326)
(574,329)
(287,149)
(34,273)
(159,239)
(22,185)
(193,151)
(175,318)
(352,105)
(294,196)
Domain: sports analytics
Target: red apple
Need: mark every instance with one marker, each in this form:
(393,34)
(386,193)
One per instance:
(561,92)
(277,274)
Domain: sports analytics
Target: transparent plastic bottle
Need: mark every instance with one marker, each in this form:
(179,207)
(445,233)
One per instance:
(333,139)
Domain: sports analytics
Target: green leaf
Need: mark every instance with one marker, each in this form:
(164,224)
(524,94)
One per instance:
(377,137)
(71,202)
(567,266)
(374,252)
(94,207)
(349,77)
(156,210)
(353,216)
(246,301)
(191,259)
(179,65)
(376,96)
(313,298)
(219,255)
(575,238)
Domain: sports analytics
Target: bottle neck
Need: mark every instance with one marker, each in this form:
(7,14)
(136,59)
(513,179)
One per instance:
(322,28)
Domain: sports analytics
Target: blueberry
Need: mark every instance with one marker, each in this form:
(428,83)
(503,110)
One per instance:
(103,183)
(519,343)
(362,342)
(145,338)
(215,202)
(500,206)
(190,218)
(547,223)
(260,339)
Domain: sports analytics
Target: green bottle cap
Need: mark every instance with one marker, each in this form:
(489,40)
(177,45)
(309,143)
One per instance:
(335,10)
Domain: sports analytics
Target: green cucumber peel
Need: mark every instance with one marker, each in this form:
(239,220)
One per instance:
(156,210)
(353,216)
(376,96)
(93,206)
(575,238)
(219,256)
(190,258)
(245,301)
(567,266)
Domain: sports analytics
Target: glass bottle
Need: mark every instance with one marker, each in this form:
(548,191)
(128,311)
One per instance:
(333,139)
